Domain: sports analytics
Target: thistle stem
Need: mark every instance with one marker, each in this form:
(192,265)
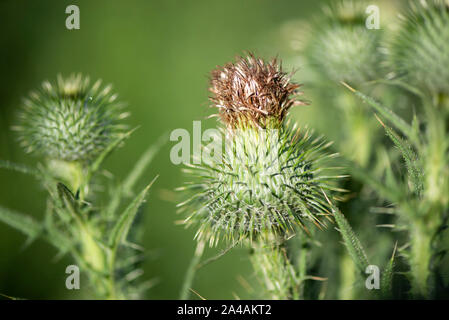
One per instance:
(190,275)
(420,260)
(112,294)
(275,271)
(348,274)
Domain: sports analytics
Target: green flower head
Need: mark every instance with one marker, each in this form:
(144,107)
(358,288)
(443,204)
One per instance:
(419,52)
(342,48)
(70,120)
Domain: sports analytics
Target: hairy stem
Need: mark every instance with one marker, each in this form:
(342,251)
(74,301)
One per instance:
(420,260)
(190,275)
(348,274)
(275,271)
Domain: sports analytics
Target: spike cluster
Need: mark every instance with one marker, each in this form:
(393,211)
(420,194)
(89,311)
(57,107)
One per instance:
(269,180)
(70,120)
(419,52)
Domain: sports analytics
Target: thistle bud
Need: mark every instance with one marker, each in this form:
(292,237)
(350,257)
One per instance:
(69,120)
(269,180)
(342,48)
(419,52)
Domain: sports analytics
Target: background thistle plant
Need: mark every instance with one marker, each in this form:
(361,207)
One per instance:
(342,48)
(75,126)
(408,170)
(70,123)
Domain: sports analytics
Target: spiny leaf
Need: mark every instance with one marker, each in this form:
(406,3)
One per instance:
(121,228)
(387,113)
(69,203)
(411,159)
(352,243)
(66,196)
(59,241)
(21,222)
(142,164)
(386,282)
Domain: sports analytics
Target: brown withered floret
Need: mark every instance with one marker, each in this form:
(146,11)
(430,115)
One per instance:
(253,90)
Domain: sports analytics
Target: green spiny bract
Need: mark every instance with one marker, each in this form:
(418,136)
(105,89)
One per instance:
(342,48)
(419,50)
(70,120)
(269,179)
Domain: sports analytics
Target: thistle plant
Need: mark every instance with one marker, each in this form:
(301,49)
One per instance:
(73,125)
(270,181)
(407,169)
(341,48)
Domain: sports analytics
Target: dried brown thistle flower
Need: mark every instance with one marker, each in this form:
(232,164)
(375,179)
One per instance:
(254,91)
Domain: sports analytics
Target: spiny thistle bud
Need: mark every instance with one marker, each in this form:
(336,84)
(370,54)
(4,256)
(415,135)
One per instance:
(268,180)
(70,120)
(342,48)
(419,52)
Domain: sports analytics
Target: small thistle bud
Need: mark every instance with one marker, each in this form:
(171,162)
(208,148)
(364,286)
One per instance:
(269,180)
(419,52)
(70,120)
(342,48)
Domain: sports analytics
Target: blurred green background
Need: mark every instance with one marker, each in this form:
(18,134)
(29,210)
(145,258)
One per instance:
(158,55)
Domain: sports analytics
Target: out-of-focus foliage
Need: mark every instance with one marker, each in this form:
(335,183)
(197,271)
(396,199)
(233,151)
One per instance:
(392,133)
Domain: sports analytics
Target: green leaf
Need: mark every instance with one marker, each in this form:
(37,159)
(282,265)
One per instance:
(69,203)
(387,113)
(34,229)
(351,241)
(414,170)
(142,164)
(60,242)
(121,228)
(21,222)
(66,196)
(402,84)
(387,278)
(20,168)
